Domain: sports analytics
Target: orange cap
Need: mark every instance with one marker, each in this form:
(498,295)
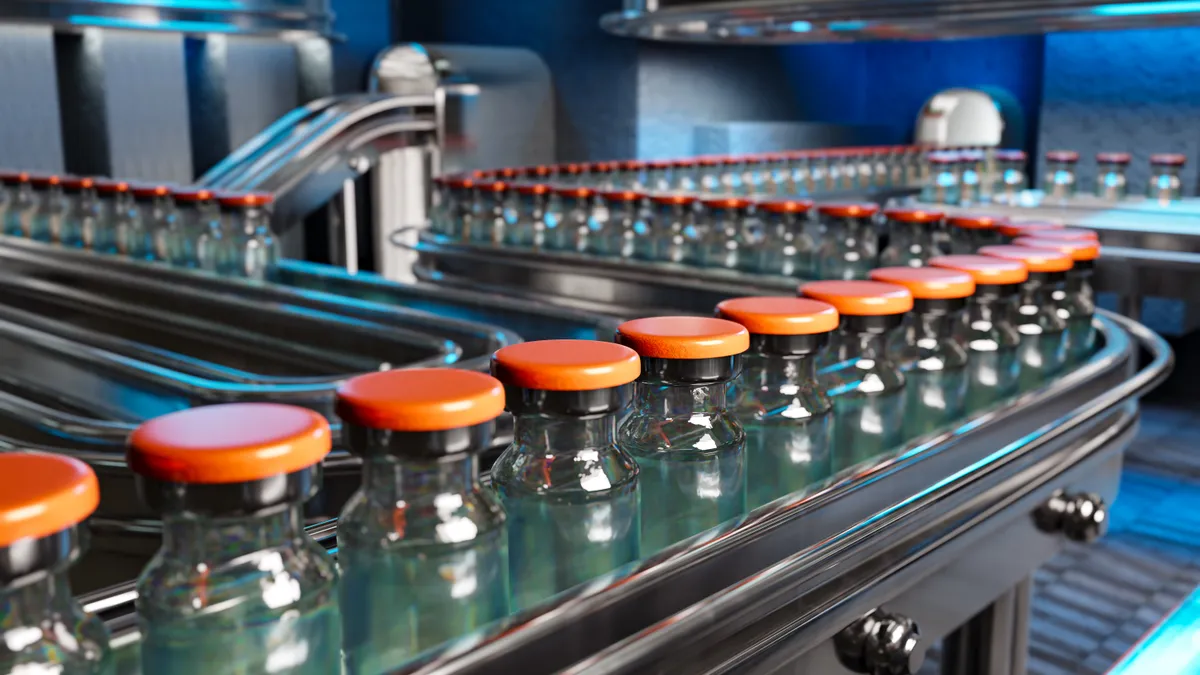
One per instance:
(1022,229)
(928,283)
(677,199)
(780,315)
(725,202)
(151,190)
(566,365)
(533,189)
(1068,156)
(985,270)
(974,222)
(1078,250)
(683,337)
(112,185)
(574,191)
(493,186)
(79,182)
(193,194)
(228,443)
(41,494)
(863,210)
(1036,259)
(621,195)
(246,199)
(1066,234)
(420,399)
(914,215)
(861,298)
(1168,160)
(44,180)
(786,205)
(1113,157)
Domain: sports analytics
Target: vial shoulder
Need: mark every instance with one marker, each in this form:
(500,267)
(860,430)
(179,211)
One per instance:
(520,471)
(444,518)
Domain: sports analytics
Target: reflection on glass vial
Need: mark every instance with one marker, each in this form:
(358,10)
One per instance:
(850,243)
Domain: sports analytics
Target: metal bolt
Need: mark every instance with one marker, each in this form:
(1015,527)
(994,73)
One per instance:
(880,644)
(1081,517)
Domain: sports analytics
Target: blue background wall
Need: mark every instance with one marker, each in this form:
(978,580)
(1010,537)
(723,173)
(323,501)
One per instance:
(1136,91)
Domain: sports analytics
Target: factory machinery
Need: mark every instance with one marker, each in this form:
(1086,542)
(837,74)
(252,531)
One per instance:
(931,544)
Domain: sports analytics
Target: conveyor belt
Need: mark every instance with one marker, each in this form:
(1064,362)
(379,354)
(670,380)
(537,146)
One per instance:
(1093,602)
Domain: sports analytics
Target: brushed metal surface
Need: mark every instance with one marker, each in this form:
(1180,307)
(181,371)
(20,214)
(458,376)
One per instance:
(30,137)
(263,17)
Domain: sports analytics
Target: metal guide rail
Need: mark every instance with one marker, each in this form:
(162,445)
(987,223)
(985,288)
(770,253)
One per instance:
(797,571)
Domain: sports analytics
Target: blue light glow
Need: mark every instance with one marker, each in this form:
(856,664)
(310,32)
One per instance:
(800,26)
(846,25)
(1148,8)
(177,26)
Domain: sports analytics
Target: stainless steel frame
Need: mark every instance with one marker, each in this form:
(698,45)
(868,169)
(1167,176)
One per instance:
(770,592)
(789,21)
(252,17)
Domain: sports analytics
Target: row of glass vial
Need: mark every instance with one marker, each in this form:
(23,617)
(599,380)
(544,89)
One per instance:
(227,233)
(789,173)
(973,176)
(1112,184)
(427,553)
(787,237)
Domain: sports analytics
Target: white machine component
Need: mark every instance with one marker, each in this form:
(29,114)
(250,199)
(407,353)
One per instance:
(961,118)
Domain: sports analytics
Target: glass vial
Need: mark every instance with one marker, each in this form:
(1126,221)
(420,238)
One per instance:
(723,239)
(943,186)
(251,249)
(787,415)
(123,216)
(238,586)
(492,222)
(1043,350)
(570,490)
(52,208)
(530,229)
(927,347)
(422,546)
(1111,182)
(1075,301)
(789,246)
(850,241)
(857,369)
(1010,178)
(988,329)
(625,234)
(673,218)
(85,215)
(200,234)
(1165,184)
(689,444)
(23,202)
(44,500)
(573,232)
(968,233)
(912,237)
(1060,181)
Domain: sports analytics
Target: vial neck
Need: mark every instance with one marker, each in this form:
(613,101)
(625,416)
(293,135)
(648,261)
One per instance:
(848,345)
(410,479)
(773,370)
(675,400)
(215,540)
(27,603)
(934,325)
(559,434)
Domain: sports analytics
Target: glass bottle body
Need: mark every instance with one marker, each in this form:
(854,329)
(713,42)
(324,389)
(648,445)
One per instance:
(789,425)
(691,451)
(943,185)
(490,226)
(669,227)
(423,555)
(466,209)
(992,340)
(867,388)
(579,228)
(572,499)
(530,229)
(1060,181)
(251,594)
(119,207)
(132,230)
(909,244)
(934,363)
(789,248)
(1165,184)
(87,213)
(203,227)
(721,244)
(1111,183)
(166,231)
(1010,180)
(968,240)
(1043,350)
(971,178)
(52,209)
(250,247)
(849,248)
(1076,304)
(46,631)
(18,218)
(627,230)
(440,209)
